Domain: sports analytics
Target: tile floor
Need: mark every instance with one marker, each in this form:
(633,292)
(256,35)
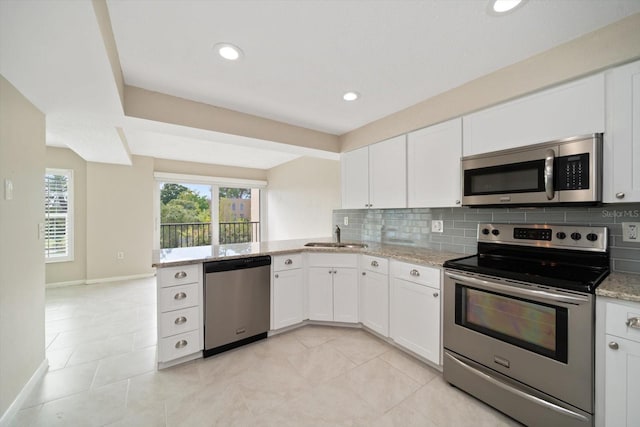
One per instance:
(101,347)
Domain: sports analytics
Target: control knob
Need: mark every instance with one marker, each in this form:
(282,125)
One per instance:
(561,235)
(576,236)
(592,237)
(495,232)
(485,231)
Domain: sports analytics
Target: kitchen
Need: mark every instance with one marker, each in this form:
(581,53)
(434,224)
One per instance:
(136,182)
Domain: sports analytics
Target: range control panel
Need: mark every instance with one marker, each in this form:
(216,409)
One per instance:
(561,236)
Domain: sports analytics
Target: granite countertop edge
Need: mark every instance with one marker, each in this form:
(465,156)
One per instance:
(622,286)
(411,254)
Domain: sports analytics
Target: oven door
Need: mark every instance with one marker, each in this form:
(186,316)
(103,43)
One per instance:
(538,336)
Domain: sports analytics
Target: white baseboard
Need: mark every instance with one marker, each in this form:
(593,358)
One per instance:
(95,281)
(28,388)
(119,278)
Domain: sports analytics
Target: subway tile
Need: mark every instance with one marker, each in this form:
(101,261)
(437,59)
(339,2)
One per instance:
(465,224)
(626,266)
(452,248)
(479,217)
(545,217)
(626,253)
(509,217)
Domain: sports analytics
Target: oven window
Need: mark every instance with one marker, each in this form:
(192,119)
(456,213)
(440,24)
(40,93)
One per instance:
(531,325)
(512,178)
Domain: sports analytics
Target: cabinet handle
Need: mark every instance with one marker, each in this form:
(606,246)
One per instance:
(180,320)
(435,294)
(179,296)
(288,261)
(414,272)
(277,276)
(374,263)
(620,195)
(181,344)
(364,273)
(634,322)
(613,345)
(180,275)
(457,202)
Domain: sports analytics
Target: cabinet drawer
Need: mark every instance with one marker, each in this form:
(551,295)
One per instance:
(371,263)
(333,260)
(172,276)
(287,262)
(179,321)
(617,317)
(419,274)
(177,297)
(179,346)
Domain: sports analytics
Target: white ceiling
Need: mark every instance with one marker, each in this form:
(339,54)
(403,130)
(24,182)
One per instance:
(300,56)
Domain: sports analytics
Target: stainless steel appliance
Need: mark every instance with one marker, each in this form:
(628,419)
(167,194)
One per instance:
(558,172)
(519,319)
(236,302)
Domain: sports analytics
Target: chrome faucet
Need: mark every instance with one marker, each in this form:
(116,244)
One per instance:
(337,234)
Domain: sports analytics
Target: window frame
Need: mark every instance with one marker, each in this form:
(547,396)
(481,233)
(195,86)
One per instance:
(70,223)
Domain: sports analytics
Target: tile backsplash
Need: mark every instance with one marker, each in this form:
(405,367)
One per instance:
(412,227)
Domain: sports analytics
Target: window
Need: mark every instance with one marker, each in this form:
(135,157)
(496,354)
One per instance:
(58,212)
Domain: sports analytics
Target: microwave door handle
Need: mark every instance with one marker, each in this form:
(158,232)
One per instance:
(548,173)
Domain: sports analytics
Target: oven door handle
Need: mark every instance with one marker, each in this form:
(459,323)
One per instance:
(570,299)
(520,393)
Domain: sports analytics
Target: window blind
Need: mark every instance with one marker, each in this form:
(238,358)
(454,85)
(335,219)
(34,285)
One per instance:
(58,226)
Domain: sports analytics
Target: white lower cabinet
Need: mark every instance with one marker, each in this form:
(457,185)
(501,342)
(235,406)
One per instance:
(415,309)
(180,321)
(374,294)
(622,365)
(333,287)
(288,291)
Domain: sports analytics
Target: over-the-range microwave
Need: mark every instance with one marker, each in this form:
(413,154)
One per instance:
(567,171)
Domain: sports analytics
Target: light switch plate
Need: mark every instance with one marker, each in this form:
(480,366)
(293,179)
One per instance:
(631,231)
(437,226)
(346,220)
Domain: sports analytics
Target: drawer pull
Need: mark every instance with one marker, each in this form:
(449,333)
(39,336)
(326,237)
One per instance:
(277,275)
(180,320)
(288,261)
(435,294)
(374,263)
(634,322)
(414,273)
(180,275)
(620,195)
(181,344)
(613,345)
(179,296)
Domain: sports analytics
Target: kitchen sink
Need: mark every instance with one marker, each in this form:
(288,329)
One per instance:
(336,245)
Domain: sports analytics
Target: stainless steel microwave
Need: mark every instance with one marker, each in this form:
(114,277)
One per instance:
(567,171)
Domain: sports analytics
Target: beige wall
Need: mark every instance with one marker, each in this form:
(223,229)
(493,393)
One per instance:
(612,45)
(301,196)
(76,270)
(22,154)
(119,218)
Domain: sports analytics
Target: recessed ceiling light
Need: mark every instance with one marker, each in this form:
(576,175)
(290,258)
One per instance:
(501,7)
(228,51)
(351,96)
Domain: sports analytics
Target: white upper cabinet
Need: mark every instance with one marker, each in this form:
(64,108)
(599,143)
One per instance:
(388,173)
(376,176)
(355,179)
(576,108)
(622,136)
(433,165)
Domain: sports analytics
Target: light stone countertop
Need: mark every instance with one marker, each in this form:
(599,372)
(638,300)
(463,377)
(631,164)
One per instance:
(620,286)
(194,255)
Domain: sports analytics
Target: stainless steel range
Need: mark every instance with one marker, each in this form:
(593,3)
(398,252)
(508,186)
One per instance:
(519,320)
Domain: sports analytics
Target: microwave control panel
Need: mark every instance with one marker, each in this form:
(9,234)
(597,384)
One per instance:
(572,172)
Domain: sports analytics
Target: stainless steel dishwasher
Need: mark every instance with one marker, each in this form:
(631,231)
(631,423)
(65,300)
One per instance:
(236,302)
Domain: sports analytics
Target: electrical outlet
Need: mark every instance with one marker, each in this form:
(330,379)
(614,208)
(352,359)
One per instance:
(631,231)
(346,220)
(437,226)
(120,255)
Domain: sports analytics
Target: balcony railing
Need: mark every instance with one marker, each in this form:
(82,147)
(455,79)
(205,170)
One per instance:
(199,234)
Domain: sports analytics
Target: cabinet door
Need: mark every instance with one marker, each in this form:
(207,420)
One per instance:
(415,318)
(288,298)
(622,137)
(622,383)
(374,302)
(355,179)
(388,173)
(433,165)
(572,109)
(345,295)
(320,293)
